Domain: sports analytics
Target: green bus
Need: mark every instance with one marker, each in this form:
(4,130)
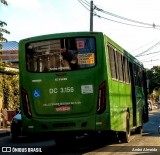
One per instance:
(80,82)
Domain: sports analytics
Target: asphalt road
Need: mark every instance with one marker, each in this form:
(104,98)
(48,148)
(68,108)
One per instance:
(147,143)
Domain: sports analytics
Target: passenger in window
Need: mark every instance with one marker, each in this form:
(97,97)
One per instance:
(71,59)
(74,63)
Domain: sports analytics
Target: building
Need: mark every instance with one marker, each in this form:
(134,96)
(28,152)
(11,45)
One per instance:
(10,52)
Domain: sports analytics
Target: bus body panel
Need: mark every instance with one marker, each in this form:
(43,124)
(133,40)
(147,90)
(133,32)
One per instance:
(69,100)
(64,96)
(53,95)
(120,96)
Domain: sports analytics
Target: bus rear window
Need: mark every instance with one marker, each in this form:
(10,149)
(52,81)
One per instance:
(61,54)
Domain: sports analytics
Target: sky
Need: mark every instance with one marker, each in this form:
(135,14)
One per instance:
(27,18)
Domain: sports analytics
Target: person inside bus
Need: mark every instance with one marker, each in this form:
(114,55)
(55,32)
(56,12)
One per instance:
(71,59)
(74,63)
(57,62)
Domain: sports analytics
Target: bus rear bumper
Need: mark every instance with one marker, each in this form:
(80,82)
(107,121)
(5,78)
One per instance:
(48,125)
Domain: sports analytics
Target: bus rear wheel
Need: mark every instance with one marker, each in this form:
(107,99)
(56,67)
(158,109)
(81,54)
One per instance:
(14,136)
(125,136)
(139,130)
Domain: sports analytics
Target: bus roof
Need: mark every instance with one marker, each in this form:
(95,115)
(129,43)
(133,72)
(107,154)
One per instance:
(65,34)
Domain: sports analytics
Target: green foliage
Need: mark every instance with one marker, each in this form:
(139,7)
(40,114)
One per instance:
(2,30)
(1,87)
(2,24)
(4,2)
(1,33)
(9,87)
(9,84)
(1,65)
(154,77)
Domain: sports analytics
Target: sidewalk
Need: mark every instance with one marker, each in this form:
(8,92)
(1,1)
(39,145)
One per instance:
(4,132)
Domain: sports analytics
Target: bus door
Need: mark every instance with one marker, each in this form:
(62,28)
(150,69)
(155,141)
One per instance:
(145,114)
(133,93)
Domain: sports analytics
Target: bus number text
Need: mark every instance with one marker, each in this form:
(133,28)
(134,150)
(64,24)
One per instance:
(61,90)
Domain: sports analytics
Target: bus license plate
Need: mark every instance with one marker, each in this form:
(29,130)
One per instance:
(63,108)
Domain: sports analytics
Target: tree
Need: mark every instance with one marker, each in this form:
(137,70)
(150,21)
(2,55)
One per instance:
(153,76)
(4,2)
(9,82)
(2,30)
(2,24)
(10,90)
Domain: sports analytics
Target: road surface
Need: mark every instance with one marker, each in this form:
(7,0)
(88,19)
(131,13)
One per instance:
(147,143)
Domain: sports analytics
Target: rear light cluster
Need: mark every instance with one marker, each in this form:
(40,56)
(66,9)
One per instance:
(101,104)
(25,103)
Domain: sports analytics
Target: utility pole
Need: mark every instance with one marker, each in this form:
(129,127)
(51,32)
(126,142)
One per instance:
(91,15)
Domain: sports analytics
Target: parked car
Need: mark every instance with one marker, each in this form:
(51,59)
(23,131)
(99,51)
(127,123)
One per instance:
(16,126)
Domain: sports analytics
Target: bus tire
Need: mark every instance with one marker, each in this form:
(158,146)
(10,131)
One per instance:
(14,136)
(139,130)
(125,136)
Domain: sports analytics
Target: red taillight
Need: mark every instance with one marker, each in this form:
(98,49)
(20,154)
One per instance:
(25,103)
(101,104)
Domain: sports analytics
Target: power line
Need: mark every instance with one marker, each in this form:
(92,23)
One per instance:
(121,22)
(86,5)
(142,46)
(148,49)
(150,57)
(82,3)
(86,2)
(140,24)
(127,19)
(152,60)
(150,53)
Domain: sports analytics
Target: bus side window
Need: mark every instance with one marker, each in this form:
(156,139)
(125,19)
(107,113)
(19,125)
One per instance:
(141,77)
(112,62)
(120,66)
(136,75)
(126,70)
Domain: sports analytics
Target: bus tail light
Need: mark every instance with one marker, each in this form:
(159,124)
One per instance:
(25,103)
(101,103)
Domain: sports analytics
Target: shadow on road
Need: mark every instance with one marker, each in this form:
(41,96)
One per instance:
(151,127)
(80,145)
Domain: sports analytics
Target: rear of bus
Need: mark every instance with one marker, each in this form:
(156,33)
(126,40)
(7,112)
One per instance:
(62,83)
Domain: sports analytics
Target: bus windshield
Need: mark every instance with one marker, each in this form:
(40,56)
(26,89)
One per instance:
(60,54)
